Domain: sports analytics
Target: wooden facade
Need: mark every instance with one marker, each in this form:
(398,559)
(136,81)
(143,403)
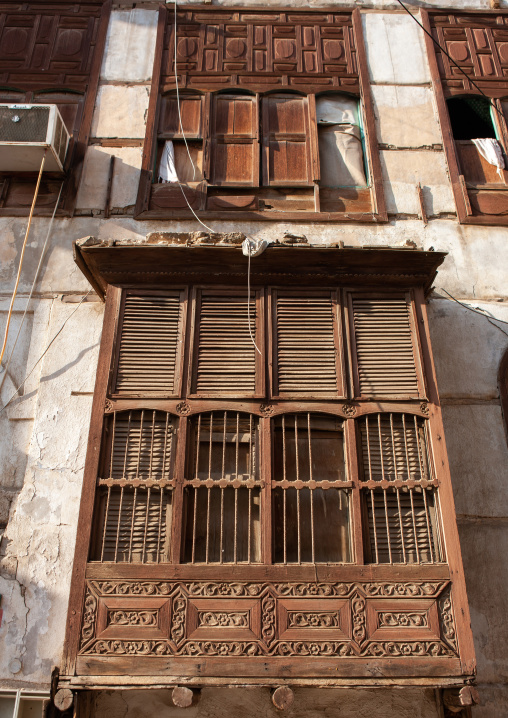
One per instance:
(51,53)
(248,80)
(278,513)
(475,66)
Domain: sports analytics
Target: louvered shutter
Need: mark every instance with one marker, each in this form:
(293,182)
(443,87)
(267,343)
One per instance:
(286,141)
(150,345)
(385,348)
(306,348)
(225,361)
(235,141)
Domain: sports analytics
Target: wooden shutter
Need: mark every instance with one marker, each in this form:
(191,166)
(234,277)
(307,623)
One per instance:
(191,113)
(385,350)
(150,344)
(225,361)
(306,344)
(286,141)
(235,141)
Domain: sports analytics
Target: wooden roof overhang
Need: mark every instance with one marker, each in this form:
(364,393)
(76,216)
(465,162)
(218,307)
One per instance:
(167,258)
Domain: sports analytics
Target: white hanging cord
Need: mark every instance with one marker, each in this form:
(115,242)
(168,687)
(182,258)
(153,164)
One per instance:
(32,287)
(248,297)
(44,352)
(179,113)
(18,277)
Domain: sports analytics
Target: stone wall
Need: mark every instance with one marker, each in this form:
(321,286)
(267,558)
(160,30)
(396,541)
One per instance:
(43,433)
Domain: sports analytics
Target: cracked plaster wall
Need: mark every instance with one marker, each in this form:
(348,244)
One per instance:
(43,435)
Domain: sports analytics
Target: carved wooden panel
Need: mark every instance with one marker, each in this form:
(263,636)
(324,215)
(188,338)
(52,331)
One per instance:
(43,46)
(280,620)
(228,46)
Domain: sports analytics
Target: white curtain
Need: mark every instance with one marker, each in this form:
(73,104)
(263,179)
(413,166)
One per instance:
(490,150)
(167,169)
(340,144)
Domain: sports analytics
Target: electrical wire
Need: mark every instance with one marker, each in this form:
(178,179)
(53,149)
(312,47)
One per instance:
(44,352)
(248,303)
(32,287)
(450,58)
(18,276)
(179,113)
(491,320)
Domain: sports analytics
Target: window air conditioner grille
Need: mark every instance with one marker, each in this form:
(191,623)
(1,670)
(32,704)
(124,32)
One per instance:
(30,126)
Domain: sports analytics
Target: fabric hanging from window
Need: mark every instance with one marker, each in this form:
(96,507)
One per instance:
(490,150)
(167,169)
(340,145)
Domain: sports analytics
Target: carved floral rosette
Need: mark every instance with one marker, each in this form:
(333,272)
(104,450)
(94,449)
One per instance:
(352,598)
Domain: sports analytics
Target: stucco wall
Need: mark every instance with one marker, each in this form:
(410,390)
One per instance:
(43,434)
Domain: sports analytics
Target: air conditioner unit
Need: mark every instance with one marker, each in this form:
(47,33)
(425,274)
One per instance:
(25,132)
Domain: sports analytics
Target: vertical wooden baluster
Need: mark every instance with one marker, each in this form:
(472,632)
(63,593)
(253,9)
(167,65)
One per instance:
(119,523)
(223,475)
(429,533)
(224,429)
(159,532)
(165,471)
(195,507)
(393,448)
(408,465)
(150,465)
(420,459)
(381,446)
(374,523)
(105,523)
(210,447)
(237,442)
(297,463)
(249,526)
(368,446)
(126,455)
(401,527)
(140,440)
(311,491)
(147,516)
(198,445)
(132,522)
(388,536)
(112,446)
(414,526)
(284,477)
(209,491)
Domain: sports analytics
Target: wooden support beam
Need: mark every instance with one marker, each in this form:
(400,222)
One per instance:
(64,698)
(455,699)
(283,697)
(182,696)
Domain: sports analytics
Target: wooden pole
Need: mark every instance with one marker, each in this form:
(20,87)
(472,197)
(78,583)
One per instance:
(182,696)
(283,697)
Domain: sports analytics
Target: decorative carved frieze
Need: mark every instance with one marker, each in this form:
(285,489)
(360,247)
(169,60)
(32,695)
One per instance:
(403,620)
(222,619)
(132,618)
(251,610)
(318,619)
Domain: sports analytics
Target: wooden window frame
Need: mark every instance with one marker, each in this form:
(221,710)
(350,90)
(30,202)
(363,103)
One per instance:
(33,83)
(154,202)
(101,584)
(444,88)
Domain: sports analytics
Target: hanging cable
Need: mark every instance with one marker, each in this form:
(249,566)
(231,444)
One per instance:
(248,299)
(441,48)
(44,352)
(32,287)
(18,277)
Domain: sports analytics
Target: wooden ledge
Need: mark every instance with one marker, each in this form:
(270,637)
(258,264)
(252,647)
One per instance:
(200,258)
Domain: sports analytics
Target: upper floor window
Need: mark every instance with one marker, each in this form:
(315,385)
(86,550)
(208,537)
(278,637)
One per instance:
(51,55)
(288,134)
(469,90)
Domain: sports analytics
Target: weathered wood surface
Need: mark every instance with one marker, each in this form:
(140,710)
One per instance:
(283,697)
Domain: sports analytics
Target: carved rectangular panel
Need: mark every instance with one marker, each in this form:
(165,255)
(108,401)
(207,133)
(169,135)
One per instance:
(48,46)
(282,621)
(256,44)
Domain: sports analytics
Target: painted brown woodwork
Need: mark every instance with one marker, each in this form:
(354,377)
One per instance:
(235,533)
(478,43)
(261,132)
(51,53)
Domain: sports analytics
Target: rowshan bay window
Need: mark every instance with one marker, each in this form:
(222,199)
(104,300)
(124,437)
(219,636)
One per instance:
(471,94)
(273,118)
(287,505)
